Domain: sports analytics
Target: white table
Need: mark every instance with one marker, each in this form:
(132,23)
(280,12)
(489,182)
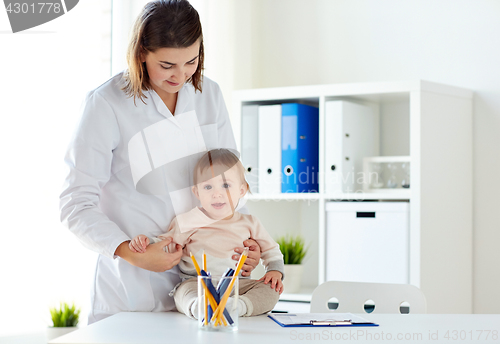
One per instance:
(152,328)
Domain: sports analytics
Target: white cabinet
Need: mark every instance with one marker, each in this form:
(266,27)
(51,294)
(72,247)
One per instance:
(432,125)
(367,242)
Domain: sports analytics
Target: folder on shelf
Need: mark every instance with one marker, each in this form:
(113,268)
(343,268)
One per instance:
(351,133)
(269,159)
(299,138)
(319,320)
(250,144)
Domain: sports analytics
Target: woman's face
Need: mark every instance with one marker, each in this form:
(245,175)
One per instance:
(170,68)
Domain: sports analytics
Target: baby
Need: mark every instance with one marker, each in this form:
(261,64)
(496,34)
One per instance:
(216,228)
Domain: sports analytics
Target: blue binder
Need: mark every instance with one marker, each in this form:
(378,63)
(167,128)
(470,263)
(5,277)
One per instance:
(300,145)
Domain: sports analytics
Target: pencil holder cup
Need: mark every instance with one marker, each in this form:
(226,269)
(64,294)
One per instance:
(218,303)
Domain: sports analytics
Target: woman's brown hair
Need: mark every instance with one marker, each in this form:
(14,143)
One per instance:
(161,24)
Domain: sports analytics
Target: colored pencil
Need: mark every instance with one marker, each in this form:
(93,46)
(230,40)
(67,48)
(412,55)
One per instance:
(210,297)
(222,305)
(206,296)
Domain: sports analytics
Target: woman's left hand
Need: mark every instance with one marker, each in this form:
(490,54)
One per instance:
(253,258)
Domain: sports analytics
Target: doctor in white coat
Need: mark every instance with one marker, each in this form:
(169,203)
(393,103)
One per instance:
(131,159)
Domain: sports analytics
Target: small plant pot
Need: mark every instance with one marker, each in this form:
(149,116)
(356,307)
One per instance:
(293,277)
(54,332)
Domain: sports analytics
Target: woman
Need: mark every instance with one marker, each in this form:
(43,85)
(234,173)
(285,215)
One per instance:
(131,155)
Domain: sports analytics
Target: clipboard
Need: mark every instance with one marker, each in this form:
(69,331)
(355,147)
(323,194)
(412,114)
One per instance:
(319,320)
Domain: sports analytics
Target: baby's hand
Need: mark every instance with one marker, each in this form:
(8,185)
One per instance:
(139,243)
(275,278)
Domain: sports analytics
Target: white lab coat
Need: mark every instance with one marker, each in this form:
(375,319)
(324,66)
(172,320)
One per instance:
(127,166)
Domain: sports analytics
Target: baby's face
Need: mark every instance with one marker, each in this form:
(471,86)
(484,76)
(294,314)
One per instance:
(219,195)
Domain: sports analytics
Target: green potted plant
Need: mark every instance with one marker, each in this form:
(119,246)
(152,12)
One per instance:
(294,250)
(64,320)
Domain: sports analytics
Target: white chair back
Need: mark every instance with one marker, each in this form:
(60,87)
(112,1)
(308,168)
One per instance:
(352,296)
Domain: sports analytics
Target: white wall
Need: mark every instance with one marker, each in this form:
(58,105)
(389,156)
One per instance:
(45,73)
(297,42)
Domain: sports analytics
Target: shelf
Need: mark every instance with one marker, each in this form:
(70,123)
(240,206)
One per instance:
(419,121)
(387,159)
(369,196)
(370,90)
(304,295)
(388,194)
(284,197)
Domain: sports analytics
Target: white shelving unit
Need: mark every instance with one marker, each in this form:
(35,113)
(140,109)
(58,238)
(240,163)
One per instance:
(431,123)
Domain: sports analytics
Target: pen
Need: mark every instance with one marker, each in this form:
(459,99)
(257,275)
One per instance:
(330,322)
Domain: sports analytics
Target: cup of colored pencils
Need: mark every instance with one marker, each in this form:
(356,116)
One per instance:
(218,297)
(211,290)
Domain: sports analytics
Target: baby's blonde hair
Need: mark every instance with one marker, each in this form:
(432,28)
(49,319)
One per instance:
(220,160)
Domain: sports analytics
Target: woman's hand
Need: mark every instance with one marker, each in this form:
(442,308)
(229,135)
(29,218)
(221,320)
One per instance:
(253,258)
(154,259)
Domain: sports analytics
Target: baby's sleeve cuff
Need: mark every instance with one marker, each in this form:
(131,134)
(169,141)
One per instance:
(276,265)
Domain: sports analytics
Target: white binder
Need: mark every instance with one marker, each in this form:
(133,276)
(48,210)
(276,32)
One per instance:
(351,133)
(269,149)
(250,144)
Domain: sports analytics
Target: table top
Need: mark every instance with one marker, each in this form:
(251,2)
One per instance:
(173,327)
